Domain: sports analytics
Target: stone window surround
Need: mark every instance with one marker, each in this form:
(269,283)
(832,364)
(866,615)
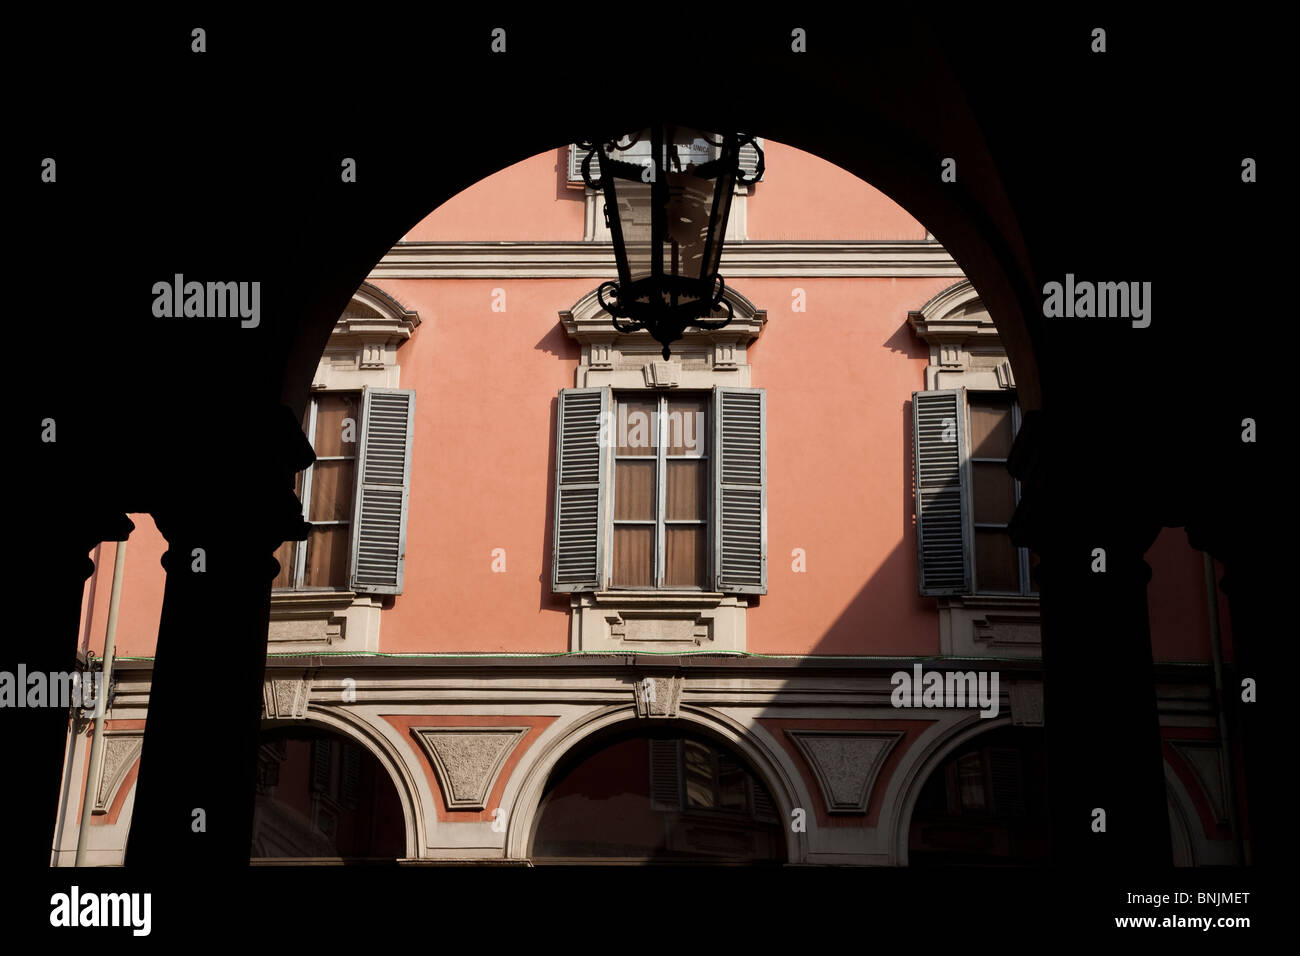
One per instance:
(671,619)
(361,353)
(966,352)
(595,230)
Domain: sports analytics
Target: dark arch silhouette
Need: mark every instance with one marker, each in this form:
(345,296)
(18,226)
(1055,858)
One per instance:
(887,104)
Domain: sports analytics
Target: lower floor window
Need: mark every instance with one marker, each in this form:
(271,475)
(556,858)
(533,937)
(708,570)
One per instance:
(661,501)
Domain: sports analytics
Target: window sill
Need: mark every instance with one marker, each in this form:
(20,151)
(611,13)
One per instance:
(654,620)
(323,620)
(990,625)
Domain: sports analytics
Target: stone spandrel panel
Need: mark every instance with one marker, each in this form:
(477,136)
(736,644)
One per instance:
(846,764)
(468,760)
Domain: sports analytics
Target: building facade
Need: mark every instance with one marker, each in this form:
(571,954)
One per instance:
(565,599)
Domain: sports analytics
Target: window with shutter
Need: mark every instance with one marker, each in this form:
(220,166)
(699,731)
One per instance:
(326,491)
(581,456)
(670,494)
(749,159)
(740,489)
(941,493)
(964,495)
(382,491)
(660,501)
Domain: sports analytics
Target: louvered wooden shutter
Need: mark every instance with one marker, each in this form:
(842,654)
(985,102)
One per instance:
(749,159)
(383,491)
(576,156)
(350,776)
(740,489)
(665,775)
(322,760)
(764,808)
(581,467)
(1006,785)
(942,491)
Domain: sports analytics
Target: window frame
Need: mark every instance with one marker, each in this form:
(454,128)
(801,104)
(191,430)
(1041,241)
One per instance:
(1022,553)
(299,554)
(661,521)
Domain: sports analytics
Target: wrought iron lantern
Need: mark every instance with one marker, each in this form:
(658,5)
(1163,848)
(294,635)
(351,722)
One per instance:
(667,192)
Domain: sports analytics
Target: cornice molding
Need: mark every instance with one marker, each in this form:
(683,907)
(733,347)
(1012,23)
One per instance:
(595,260)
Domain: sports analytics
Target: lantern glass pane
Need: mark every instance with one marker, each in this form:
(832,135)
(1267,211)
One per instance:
(686,232)
(634,209)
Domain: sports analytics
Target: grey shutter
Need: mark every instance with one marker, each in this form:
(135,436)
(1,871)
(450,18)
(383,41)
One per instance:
(576,156)
(1006,783)
(942,491)
(321,765)
(665,775)
(749,159)
(383,491)
(740,489)
(764,808)
(350,776)
(580,476)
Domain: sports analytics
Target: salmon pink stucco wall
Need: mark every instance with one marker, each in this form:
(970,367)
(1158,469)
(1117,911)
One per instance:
(1176,601)
(486,384)
(800,197)
(804,197)
(530,201)
(839,378)
(140,607)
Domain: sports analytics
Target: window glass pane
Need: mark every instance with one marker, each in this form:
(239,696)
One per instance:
(687,492)
(685,556)
(686,427)
(327,557)
(331,413)
(994,492)
(731,783)
(637,423)
(634,491)
(970,774)
(284,554)
(997,561)
(699,775)
(990,426)
(331,491)
(634,547)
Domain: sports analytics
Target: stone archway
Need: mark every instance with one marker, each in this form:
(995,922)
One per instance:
(324,794)
(613,722)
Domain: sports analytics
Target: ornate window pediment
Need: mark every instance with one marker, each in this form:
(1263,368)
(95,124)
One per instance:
(701,359)
(965,350)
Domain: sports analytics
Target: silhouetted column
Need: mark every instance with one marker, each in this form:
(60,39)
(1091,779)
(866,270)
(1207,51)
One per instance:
(1254,657)
(194,794)
(1105,765)
(56,558)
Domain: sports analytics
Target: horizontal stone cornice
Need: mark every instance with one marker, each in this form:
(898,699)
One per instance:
(595,260)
